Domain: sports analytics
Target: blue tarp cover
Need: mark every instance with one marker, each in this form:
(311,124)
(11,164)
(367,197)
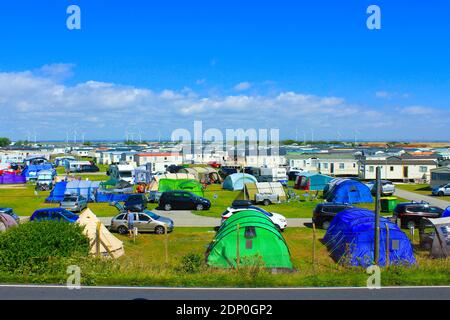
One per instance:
(349,191)
(446,213)
(58,192)
(350,240)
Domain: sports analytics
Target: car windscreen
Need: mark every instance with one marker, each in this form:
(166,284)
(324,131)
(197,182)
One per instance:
(152,215)
(69,215)
(267,213)
(70,199)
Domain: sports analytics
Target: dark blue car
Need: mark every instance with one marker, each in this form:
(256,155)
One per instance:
(54,214)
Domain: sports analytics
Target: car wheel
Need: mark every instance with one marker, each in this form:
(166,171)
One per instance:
(159,230)
(325,225)
(122,230)
(266,202)
(167,207)
(199,207)
(411,224)
(441,194)
(279,228)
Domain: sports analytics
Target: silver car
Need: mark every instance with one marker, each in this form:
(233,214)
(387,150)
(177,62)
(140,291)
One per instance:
(387,187)
(145,221)
(74,203)
(442,190)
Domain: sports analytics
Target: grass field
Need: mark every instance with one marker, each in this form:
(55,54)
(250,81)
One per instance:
(144,264)
(423,189)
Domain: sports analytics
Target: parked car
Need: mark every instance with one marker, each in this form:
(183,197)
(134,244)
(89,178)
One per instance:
(183,200)
(411,214)
(324,213)
(136,203)
(145,221)
(55,214)
(442,190)
(11,213)
(278,220)
(89,168)
(387,187)
(74,203)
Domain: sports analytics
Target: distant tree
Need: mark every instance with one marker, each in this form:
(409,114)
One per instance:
(87,143)
(4,142)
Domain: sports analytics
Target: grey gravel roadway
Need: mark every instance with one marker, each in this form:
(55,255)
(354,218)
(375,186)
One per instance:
(28,292)
(434,201)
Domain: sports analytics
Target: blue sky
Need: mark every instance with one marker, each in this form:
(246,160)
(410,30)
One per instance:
(154,66)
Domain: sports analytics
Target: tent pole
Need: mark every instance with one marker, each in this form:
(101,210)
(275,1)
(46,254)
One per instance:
(387,246)
(97,240)
(377,218)
(238,251)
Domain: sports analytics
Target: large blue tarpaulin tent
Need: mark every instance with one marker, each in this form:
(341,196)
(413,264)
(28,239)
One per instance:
(112,197)
(348,191)
(85,188)
(58,192)
(350,240)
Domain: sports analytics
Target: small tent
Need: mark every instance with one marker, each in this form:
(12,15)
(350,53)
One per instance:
(251,189)
(6,222)
(259,241)
(311,181)
(446,213)
(58,192)
(183,184)
(154,185)
(350,240)
(110,246)
(440,238)
(236,181)
(349,191)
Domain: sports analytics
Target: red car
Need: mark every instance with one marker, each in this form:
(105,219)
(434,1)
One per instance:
(214,164)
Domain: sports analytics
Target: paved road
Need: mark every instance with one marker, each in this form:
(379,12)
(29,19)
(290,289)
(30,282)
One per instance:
(434,201)
(188,219)
(27,292)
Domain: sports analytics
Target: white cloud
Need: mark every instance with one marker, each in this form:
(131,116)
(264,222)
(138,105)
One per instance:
(29,100)
(242,86)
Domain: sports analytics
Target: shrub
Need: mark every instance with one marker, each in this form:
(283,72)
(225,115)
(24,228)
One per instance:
(39,247)
(191,263)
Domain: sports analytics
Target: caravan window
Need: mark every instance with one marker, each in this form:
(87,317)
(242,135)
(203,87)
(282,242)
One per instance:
(126,174)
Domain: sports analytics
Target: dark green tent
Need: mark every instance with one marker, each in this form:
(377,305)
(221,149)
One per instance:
(260,242)
(181,184)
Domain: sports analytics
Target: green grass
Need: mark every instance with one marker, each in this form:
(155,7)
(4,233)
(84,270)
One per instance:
(144,265)
(302,209)
(423,189)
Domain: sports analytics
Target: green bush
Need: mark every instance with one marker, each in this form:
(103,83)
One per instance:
(41,247)
(191,263)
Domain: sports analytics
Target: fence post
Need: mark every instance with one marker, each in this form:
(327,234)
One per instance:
(166,244)
(387,246)
(97,239)
(314,248)
(238,250)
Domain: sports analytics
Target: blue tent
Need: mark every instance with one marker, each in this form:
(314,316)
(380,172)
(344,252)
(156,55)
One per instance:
(350,240)
(84,188)
(31,171)
(349,191)
(112,197)
(236,181)
(58,192)
(446,213)
(311,181)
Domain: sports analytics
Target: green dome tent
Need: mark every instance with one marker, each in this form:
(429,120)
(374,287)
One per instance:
(259,242)
(182,184)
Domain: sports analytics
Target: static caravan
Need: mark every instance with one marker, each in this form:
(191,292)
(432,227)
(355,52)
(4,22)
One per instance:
(76,166)
(124,172)
(273,175)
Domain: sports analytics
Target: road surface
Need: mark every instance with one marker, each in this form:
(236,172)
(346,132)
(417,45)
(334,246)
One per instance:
(434,201)
(188,219)
(27,292)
